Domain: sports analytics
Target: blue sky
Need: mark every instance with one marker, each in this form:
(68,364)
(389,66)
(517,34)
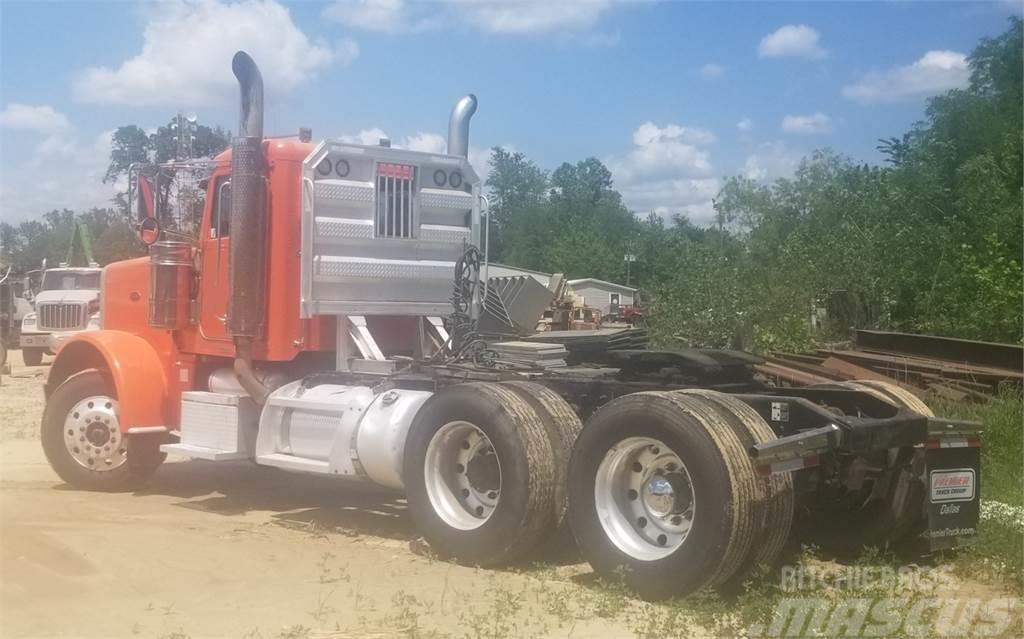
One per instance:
(672,96)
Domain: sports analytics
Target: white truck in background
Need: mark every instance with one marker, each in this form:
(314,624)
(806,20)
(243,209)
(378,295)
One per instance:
(67,303)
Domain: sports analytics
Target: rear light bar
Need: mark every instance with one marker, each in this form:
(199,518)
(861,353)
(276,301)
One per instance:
(953,433)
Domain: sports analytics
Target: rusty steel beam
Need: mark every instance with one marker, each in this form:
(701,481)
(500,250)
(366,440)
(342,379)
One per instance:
(964,351)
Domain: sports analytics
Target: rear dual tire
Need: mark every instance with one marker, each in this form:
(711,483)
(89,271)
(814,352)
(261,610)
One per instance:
(480,475)
(733,519)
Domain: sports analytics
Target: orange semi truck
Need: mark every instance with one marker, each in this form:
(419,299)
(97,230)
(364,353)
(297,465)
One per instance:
(324,319)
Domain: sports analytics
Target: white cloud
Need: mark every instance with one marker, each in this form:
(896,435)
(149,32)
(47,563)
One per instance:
(187,49)
(532,16)
(792,40)
(711,70)
(366,137)
(387,16)
(935,72)
(771,161)
(648,134)
(745,125)
(42,118)
(517,17)
(426,142)
(667,171)
(81,165)
(811,124)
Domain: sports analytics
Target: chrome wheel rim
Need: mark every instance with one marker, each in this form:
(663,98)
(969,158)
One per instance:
(92,434)
(463,475)
(644,498)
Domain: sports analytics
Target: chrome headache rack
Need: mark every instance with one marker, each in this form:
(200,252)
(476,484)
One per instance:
(382,229)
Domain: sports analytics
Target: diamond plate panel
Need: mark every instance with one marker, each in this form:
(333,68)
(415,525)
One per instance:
(448,236)
(384,270)
(447,200)
(326,190)
(335,229)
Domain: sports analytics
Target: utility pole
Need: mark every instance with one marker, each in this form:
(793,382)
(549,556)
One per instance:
(628,258)
(183,126)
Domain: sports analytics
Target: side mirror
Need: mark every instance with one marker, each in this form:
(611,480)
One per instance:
(149,231)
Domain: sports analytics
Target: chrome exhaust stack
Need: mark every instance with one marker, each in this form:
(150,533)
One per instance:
(458,126)
(247,260)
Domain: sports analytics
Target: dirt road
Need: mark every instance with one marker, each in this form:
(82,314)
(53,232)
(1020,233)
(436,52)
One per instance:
(214,550)
(236,550)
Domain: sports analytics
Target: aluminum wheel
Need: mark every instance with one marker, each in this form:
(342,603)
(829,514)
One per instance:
(644,498)
(463,475)
(92,434)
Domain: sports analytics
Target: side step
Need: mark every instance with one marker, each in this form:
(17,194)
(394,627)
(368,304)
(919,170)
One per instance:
(291,462)
(202,452)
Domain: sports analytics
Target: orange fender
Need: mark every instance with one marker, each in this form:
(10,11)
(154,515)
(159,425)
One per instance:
(133,364)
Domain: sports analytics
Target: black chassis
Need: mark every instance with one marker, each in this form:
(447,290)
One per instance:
(823,431)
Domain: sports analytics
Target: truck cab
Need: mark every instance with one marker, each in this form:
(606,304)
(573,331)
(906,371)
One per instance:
(66,304)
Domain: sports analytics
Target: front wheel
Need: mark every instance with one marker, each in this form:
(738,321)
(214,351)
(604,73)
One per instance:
(32,356)
(82,438)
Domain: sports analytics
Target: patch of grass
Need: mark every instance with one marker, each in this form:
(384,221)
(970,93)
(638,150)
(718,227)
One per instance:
(499,618)
(996,557)
(762,603)
(1002,443)
(998,553)
(297,631)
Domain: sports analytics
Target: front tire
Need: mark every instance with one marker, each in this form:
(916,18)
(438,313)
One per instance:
(82,438)
(32,356)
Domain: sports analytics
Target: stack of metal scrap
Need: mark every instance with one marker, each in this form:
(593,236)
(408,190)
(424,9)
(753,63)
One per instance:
(954,368)
(592,346)
(531,355)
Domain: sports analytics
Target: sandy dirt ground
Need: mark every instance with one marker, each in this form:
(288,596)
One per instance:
(234,550)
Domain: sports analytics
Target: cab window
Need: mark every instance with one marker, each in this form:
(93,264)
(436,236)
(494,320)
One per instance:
(221,215)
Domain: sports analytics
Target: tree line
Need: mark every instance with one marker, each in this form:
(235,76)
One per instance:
(929,241)
(25,245)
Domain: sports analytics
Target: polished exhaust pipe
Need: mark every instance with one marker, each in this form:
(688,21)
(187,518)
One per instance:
(247,259)
(458,126)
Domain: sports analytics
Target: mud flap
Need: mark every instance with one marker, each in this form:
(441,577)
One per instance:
(954,495)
